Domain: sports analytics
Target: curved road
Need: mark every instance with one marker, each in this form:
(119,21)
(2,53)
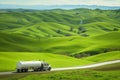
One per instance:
(71,68)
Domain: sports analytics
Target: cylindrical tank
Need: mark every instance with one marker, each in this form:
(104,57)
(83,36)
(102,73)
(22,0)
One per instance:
(29,64)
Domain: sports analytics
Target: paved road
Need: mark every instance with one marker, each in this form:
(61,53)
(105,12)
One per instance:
(71,68)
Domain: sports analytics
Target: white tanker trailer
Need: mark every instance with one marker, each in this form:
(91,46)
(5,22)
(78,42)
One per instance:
(24,66)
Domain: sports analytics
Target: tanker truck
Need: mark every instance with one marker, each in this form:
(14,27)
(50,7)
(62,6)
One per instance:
(25,66)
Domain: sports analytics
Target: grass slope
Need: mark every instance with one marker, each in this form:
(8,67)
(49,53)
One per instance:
(114,55)
(9,59)
(78,32)
(76,75)
(63,45)
(47,23)
(67,75)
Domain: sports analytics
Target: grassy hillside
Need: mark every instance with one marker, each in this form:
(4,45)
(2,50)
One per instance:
(66,75)
(77,74)
(10,59)
(103,43)
(52,23)
(73,45)
(92,35)
(18,31)
(113,55)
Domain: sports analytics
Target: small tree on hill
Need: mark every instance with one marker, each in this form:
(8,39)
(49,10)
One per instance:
(81,29)
(58,31)
(71,29)
(115,29)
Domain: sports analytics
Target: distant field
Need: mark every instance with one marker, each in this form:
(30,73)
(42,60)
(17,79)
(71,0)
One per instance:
(57,23)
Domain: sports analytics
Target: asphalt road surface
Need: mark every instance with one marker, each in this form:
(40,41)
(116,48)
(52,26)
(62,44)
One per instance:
(71,68)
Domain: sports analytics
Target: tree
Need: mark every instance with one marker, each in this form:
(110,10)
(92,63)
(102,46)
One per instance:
(115,29)
(97,9)
(118,11)
(58,31)
(81,29)
(85,35)
(71,29)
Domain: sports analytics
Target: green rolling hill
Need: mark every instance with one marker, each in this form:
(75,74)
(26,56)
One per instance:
(59,22)
(55,60)
(81,33)
(73,45)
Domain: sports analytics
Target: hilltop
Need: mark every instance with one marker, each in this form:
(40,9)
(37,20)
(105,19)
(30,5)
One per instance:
(59,23)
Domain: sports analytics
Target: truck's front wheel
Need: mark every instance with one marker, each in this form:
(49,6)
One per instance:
(18,70)
(49,68)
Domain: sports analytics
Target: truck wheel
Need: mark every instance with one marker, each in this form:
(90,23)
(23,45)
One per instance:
(35,69)
(22,70)
(26,70)
(18,70)
(49,68)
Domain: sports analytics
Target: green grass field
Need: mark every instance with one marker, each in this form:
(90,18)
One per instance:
(114,55)
(52,23)
(86,74)
(76,75)
(73,45)
(55,60)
